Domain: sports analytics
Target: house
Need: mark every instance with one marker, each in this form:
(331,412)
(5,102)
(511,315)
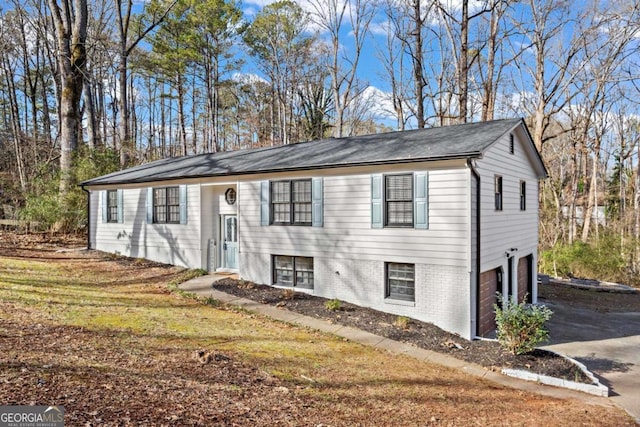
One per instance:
(426,223)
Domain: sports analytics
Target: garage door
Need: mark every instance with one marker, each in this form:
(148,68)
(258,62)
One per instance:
(524,278)
(490,282)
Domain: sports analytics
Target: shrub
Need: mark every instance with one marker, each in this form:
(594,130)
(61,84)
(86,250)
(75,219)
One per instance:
(333,305)
(606,259)
(520,327)
(288,294)
(402,322)
(43,203)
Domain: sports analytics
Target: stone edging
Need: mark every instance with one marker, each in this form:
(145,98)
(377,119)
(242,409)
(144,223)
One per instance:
(596,388)
(591,285)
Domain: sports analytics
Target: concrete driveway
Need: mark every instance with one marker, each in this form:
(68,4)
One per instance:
(607,343)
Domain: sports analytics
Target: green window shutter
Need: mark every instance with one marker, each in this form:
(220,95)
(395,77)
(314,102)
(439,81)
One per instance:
(421,200)
(103,202)
(376,201)
(183,204)
(264,203)
(120,207)
(150,205)
(317,202)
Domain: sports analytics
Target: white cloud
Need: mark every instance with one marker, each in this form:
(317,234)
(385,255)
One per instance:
(380,103)
(380,28)
(247,78)
(312,7)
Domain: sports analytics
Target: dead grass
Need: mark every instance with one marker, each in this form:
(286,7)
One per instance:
(105,338)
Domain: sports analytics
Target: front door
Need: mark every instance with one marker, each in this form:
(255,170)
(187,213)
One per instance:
(230,242)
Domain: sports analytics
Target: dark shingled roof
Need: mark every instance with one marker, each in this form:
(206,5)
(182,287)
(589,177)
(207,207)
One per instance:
(450,142)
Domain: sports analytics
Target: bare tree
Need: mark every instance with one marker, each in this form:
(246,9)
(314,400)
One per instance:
(330,16)
(457,28)
(605,52)
(126,43)
(392,58)
(553,66)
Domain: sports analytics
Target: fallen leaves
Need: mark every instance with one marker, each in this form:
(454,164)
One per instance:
(162,362)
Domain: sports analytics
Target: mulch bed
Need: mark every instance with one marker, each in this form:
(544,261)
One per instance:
(421,334)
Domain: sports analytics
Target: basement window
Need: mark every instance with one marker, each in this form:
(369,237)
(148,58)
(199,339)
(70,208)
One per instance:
(293,271)
(400,281)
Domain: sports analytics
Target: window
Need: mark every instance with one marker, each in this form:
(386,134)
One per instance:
(293,271)
(112,205)
(523,196)
(400,280)
(498,192)
(230,196)
(512,148)
(398,200)
(291,202)
(166,205)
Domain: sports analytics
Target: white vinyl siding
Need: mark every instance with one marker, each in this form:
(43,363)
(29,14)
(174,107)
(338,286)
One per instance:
(347,231)
(511,228)
(178,244)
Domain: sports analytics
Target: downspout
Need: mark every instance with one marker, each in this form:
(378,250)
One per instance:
(477,177)
(88,216)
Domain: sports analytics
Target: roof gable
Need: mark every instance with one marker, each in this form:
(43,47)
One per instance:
(442,143)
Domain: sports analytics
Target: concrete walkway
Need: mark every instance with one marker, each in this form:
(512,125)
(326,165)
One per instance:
(202,286)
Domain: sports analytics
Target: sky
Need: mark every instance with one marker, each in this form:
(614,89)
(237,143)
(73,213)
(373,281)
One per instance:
(370,69)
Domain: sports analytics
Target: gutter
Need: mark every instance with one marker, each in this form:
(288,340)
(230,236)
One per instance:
(158,177)
(88,216)
(477,177)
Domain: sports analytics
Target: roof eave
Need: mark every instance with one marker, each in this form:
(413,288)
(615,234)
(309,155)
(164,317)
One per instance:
(459,156)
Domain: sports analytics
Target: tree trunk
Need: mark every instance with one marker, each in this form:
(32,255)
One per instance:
(588,212)
(124,132)
(489,98)
(89,106)
(636,207)
(463,63)
(70,22)
(417,63)
(181,117)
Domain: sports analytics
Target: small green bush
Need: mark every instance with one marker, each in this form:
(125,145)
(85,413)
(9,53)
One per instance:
(43,203)
(402,322)
(606,259)
(520,327)
(333,305)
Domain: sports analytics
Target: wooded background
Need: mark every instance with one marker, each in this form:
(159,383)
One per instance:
(88,87)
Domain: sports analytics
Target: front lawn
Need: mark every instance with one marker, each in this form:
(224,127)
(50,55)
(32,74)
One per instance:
(104,337)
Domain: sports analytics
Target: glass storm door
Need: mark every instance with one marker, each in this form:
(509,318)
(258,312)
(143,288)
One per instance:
(230,241)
